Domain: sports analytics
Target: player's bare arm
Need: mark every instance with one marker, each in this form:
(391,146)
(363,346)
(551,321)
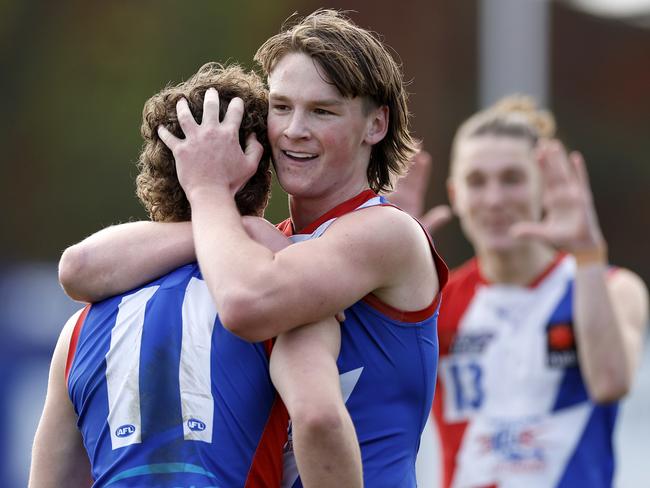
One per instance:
(260,293)
(120,257)
(58,456)
(610,309)
(303,370)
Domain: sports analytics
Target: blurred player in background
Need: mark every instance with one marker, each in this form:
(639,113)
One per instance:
(338,129)
(151,388)
(539,336)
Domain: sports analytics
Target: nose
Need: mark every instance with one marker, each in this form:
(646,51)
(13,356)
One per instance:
(493,194)
(296,127)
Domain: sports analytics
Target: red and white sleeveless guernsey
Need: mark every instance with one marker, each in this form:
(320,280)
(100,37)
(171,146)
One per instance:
(511,406)
(387,365)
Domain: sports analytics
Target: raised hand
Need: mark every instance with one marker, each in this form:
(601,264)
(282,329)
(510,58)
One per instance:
(570,221)
(210,157)
(410,192)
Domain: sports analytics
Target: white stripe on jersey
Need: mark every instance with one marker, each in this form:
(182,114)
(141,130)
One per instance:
(123,369)
(197,403)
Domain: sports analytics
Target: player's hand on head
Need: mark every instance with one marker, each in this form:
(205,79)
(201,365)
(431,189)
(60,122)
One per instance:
(210,156)
(410,192)
(570,221)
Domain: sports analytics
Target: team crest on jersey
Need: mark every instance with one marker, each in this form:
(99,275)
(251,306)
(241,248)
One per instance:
(125,430)
(561,345)
(196,425)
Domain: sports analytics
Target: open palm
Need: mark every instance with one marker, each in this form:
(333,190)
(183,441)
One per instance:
(570,221)
(410,191)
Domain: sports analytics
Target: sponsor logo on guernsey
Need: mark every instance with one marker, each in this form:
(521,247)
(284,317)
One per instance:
(125,430)
(561,346)
(471,343)
(196,425)
(517,445)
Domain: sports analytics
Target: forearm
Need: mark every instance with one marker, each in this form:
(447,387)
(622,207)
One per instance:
(605,358)
(231,262)
(304,371)
(122,257)
(58,461)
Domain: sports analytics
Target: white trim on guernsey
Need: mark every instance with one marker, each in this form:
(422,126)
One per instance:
(323,227)
(123,369)
(197,403)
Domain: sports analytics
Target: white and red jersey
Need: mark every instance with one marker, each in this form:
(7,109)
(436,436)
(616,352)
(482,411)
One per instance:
(511,406)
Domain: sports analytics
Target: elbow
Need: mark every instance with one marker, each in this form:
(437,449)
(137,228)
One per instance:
(609,389)
(71,267)
(239,315)
(317,420)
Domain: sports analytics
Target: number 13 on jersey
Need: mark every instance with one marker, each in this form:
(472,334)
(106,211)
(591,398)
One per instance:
(462,379)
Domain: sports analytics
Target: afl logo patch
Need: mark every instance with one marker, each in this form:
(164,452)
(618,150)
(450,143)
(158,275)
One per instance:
(125,430)
(196,425)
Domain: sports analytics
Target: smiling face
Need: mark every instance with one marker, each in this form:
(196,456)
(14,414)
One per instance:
(321,141)
(495,182)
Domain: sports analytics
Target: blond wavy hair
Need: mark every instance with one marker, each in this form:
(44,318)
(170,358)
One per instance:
(157,184)
(515,116)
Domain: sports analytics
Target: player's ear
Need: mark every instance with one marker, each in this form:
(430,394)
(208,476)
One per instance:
(377,125)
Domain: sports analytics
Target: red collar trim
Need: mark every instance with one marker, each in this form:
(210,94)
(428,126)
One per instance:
(535,282)
(341,209)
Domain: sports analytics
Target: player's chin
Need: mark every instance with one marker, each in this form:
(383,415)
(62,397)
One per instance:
(294,184)
(499,242)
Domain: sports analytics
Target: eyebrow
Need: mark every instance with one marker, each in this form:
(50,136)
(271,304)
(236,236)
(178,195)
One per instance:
(326,102)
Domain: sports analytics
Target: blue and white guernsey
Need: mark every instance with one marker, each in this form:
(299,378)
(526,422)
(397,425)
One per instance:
(167,397)
(511,407)
(387,365)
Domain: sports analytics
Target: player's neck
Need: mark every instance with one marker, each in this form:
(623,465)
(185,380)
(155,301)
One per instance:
(306,209)
(519,266)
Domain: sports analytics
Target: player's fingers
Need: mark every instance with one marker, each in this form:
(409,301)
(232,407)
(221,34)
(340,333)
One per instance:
(169,139)
(580,168)
(530,230)
(435,218)
(411,188)
(185,117)
(210,107)
(340,317)
(558,166)
(234,113)
(578,163)
(420,167)
(253,150)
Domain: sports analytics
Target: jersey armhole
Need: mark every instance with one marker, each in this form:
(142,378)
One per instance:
(443,276)
(74,338)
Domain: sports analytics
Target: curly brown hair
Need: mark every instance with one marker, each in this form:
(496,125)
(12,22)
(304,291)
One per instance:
(359,65)
(157,183)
